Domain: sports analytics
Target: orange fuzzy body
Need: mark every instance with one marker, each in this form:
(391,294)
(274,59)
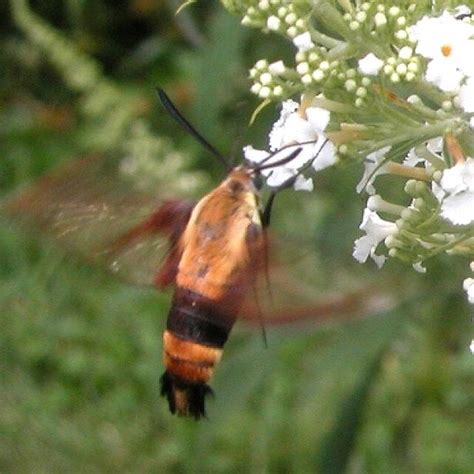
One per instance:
(220,252)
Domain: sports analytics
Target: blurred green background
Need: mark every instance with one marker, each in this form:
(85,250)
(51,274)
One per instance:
(80,353)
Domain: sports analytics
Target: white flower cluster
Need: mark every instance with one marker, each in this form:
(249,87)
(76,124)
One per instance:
(277,15)
(396,81)
(401,66)
(447,43)
(448,205)
(317,57)
(312,64)
(297,127)
(404,66)
(456,194)
(268,79)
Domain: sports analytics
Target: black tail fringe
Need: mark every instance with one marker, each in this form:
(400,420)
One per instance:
(191,399)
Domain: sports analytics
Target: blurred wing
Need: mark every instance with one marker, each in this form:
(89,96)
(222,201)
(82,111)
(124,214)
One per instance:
(292,289)
(93,212)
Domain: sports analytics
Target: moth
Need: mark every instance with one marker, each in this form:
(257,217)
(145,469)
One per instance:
(211,252)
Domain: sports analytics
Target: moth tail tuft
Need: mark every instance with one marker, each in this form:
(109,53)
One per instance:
(185,398)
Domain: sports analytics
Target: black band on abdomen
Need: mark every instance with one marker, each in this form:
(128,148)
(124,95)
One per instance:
(194,317)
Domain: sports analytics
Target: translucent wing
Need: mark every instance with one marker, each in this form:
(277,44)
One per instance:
(299,283)
(95,213)
(287,294)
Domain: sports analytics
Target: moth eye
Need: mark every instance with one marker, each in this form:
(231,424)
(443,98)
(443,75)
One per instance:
(235,187)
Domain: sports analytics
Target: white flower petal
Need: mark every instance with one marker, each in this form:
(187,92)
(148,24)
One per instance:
(278,132)
(448,42)
(378,259)
(277,68)
(251,154)
(466,95)
(303,42)
(326,155)
(462,10)
(459,208)
(292,131)
(457,196)
(372,168)
(280,175)
(308,152)
(376,229)
(434,34)
(418,266)
(303,184)
(273,23)
(437,191)
(435,145)
(370,65)
(459,178)
(318,117)
(298,130)
(412,159)
(468,285)
(292,128)
(362,248)
(464,59)
(444,75)
(405,52)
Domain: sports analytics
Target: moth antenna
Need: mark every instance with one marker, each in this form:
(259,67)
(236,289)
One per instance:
(290,181)
(283,161)
(186,125)
(266,214)
(251,164)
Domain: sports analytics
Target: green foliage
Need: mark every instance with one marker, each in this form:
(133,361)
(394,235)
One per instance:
(81,353)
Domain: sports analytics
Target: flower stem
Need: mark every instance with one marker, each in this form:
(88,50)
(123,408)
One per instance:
(412,172)
(450,245)
(325,40)
(419,134)
(432,158)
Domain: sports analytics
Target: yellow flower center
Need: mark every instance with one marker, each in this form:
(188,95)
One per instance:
(446,50)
